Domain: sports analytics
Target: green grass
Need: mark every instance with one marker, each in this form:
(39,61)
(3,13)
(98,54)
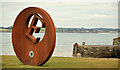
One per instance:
(63,62)
(6,30)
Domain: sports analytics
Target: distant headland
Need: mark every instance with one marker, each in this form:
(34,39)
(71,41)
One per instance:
(72,30)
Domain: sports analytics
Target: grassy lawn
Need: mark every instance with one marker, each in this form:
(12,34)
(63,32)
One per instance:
(6,30)
(63,62)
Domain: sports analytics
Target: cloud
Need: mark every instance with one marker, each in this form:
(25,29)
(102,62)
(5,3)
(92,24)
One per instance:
(68,14)
(100,16)
(59,0)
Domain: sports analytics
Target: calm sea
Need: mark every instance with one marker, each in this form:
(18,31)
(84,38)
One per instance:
(64,42)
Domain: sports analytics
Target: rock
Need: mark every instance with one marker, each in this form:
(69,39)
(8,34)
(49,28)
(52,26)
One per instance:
(78,55)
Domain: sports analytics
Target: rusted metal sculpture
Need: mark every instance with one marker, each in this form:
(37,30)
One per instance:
(29,49)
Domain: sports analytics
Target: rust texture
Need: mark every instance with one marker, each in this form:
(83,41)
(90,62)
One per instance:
(31,50)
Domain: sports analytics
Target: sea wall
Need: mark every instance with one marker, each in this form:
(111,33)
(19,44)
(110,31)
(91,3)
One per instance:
(99,51)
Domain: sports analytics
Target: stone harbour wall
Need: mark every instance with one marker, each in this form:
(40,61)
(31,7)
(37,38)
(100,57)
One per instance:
(99,51)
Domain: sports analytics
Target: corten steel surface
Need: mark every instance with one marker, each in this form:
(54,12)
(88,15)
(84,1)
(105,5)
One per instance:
(29,49)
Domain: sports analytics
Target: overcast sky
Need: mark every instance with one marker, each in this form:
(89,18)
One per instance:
(73,14)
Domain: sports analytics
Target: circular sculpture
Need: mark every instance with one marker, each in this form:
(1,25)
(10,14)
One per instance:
(28,49)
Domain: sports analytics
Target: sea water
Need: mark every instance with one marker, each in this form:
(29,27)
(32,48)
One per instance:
(64,42)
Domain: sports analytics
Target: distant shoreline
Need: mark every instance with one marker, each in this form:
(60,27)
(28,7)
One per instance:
(73,30)
(64,32)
